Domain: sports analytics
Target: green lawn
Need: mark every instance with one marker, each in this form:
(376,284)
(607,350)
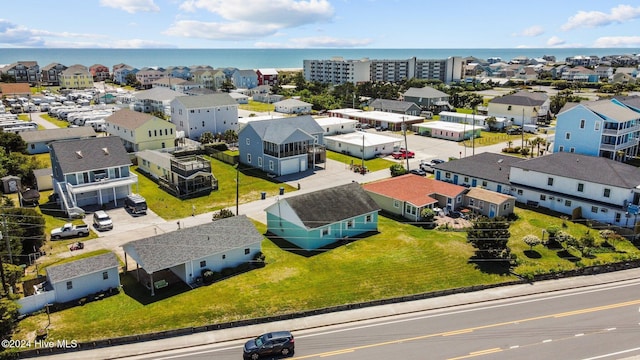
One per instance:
(400,260)
(257,106)
(372,164)
(252,184)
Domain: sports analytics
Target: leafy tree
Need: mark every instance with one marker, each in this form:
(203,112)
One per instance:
(230,136)
(227,85)
(490,238)
(12,274)
(532,241)
(428,214)
(223,213)
(11,142)
(299,81)
(8,318)
(397,170)
(132,80)
(25,231)
(491,122)
(206,138)
(6,78)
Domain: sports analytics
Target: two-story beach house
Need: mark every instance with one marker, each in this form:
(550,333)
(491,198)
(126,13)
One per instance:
(523,107)
(92,171)
(281,146)
(215,113)
(140,131)
(76,77)
(607,128)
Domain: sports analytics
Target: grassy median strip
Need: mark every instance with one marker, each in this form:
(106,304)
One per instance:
(402,259)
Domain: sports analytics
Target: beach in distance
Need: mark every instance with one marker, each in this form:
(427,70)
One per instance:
(271,58)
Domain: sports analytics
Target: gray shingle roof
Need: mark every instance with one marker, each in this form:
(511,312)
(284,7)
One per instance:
(89,154)
(630,101)
(426,92)
(278,130)
(157,94)
(583,167)
(323,207)
(487,166)
(392,105)
(522,98)
(77,268)
(612,111)
(57,134)
(206,101)
(178,247)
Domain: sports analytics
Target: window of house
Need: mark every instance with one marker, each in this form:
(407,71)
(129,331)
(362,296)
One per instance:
(105,275)
(224,256)
(572,150)
(567,203)
(69,285)
(350,224)
(580,187)
(325,231)
(259,161)
(596,126)
(618,217)
(396,203)
(561,148)
(484,183)
(567,136)
(247,251)
(543,197)
(594,209)
(270,164)
(472,202)
(466,179)
(582,124)
(447,175)
(203,263)
(368,218)
(249,158)
(550,181)
(202,123)
(520,192)
(149,133)
(248,141)
(607,192)
(506,206)
(481,204)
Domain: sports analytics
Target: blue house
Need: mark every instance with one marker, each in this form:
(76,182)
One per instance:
(244,79)
(314,220)
(281,146)
(606,128)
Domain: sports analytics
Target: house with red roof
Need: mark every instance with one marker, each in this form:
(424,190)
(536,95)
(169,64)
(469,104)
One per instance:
(407,195)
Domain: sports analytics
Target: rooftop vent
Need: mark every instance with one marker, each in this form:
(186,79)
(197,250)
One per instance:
(105,150)
(79,154)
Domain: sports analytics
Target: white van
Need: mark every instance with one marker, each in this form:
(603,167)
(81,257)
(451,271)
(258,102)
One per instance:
(530,128)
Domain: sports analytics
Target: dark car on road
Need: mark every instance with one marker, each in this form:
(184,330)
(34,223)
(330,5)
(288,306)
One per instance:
(514,131)
(269,345)
(418,172)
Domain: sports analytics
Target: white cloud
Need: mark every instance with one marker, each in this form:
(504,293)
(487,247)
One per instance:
(617,41)
(591,19)
(131,6)
(220,31)
(531,31)
(249,19)
(555,41)
(20,36)
(316,42)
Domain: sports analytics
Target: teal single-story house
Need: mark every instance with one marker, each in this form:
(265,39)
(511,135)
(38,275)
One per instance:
(314,220)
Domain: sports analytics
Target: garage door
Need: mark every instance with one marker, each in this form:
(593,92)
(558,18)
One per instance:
(289,166)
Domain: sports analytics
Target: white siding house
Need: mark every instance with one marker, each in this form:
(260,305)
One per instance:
(215,113)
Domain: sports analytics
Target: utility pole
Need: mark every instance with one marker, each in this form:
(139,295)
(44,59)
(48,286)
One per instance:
(406,146)
(362,168)
(238,189)
(522,129)
(6,231)
(4,282)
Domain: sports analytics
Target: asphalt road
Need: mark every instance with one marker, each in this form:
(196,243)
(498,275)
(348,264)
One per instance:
(590,317)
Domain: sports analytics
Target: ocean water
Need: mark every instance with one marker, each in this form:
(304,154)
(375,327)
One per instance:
(268,58)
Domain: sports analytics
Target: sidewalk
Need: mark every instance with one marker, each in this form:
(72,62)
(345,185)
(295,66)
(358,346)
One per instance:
(344,317)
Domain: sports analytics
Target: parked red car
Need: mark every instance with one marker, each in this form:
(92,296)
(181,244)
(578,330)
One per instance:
(403,154)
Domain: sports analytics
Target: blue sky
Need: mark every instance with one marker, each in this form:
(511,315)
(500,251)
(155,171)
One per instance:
(319,24)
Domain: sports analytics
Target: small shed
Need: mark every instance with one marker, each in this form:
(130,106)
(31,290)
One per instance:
(10,184)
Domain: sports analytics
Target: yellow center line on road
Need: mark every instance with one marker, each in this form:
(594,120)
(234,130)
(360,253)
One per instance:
(472,329)
(478,353)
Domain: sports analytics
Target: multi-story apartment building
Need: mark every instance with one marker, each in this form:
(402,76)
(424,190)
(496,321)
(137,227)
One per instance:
(606,128)
(51,72)
(76,77)
(338,71)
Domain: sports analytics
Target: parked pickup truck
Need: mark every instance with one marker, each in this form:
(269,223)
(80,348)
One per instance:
(69,230)
(403,154)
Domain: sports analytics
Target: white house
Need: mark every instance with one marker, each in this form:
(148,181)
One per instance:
(215,113)
(361,142)
(292,106)
(74,280)
(188,252)
(336,126)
